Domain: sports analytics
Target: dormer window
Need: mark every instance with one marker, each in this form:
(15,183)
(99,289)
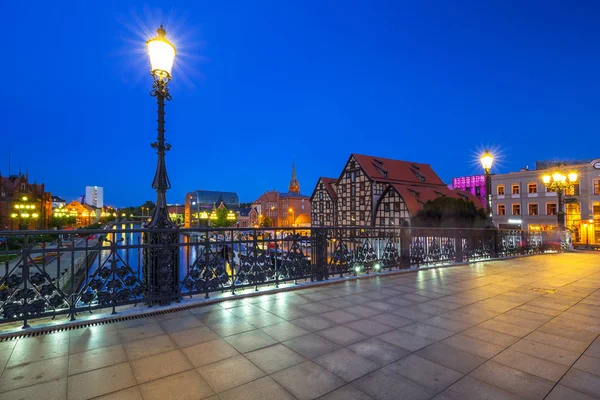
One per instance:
(381,171)
(415,193)
(420,177)
(415,166)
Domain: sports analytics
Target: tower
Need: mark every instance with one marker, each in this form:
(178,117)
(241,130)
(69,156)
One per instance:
(294,185)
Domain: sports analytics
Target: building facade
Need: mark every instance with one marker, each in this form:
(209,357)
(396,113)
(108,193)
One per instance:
(94,196)
(474,184)
(290,209)
(200,203)
(522,200)
(23,205)
(375,191)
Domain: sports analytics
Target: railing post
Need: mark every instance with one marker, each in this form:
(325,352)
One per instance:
(459,246)
(405,239)
(320,262)
(25,259)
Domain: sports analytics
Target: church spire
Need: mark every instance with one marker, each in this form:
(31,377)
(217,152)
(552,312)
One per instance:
(294,185)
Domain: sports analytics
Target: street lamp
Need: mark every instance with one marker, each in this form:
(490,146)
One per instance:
(291,211)
(559,182)
(487,159)
(23,210)
(161,271)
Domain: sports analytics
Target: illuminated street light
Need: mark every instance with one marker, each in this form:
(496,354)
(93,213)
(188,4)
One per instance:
(487,159)
(559,182)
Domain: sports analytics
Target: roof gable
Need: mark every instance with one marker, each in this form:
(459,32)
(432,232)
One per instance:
(390,171)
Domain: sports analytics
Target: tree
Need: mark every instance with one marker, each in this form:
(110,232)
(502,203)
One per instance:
(267,222)
(448,212)
(61,222)
(222,221)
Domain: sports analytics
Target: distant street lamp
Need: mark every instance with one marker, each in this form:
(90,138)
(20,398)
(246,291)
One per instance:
(161,269)
(559,182)
(291,211)
(24,210)
(487,159)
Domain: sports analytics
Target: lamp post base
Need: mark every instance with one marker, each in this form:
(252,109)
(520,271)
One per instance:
(161,266)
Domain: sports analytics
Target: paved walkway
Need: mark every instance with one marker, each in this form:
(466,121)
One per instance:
(523,328)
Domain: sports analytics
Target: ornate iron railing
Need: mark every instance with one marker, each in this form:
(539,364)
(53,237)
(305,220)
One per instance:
(46,273)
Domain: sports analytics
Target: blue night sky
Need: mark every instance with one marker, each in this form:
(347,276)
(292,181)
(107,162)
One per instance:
(261,84)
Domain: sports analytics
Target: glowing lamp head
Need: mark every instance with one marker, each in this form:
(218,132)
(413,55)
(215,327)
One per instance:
(34,215)
(558,177)
(357,269)
(572,177)
(546,179)
(377,267)
(162,55)
(486,160)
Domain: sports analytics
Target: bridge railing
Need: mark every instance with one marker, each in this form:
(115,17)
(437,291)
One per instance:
(50,273)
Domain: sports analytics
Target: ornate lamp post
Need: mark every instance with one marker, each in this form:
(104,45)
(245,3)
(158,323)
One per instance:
(24,210)
(161,266)
(487,160)
(291,211)
(559,182)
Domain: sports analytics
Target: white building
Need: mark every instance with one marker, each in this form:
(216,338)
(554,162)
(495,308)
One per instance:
(94,196)
(58,202)
(521,200)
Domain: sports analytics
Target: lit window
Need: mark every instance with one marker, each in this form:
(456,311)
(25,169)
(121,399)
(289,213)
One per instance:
(532,188)
(533,209)
(596,186)
(515,189)
(550,208)
(501,209)
(516,209)
(500,190)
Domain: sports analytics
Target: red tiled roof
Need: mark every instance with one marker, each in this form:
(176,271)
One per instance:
(397,170)
(328,183)
(416,196)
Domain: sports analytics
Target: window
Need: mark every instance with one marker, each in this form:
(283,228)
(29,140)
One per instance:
(533,209)
(352,176)
(501,209)
(320,195)
(343,214)
(477,190)
(352,164)
(386,207)
(321,207)
(515,189)
(382,221)
(343,188)
(362,186)
(573,190)
(500,190)
(353,190)
(343,201)
(362,215)
(396,207)
(549,189)
(328,205)
(516,209)
(362,200)
(550,208)
(532,188)
(596,186)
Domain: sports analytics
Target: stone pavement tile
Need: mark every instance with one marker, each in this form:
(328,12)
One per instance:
(369,327)
(582,382)
(284,331)
(451,357)
(34,373)
(552,305)
(424,372)
(362,311)
(342,335)
(132,393)
(311,346)
(387,385)
(179,324)
(9,345)
(26,352)
(561,392)
(427,331)
(346,364)
(315,308)
(160,365)
(91,340)
(469,388)
(230,373)
(539,310)
(400,301)
(411,314)
(379,351)
(316,296)
(588,364)
(206,309)
(594,349)
(382,306)
(561,342)
(94,359)
(499,306)
(340,302)
(474,346)
(53,390)
(209,352)
(263,320)
(444,304)
(532,365)
(149,347)
(249,341)
(429,309)
(135,322)
(188,385)
(513,380)
(289,313)
(391,320)
(547,352)
(313,323)
(508,329)
(141,332)
(100,381)
(529,315)
(172,315)
(347,392)
(260,389)
(234,327)
(519,321)
(415,298)
(487,335)
(246,310)
(190,337)
(218,316)
(575,331)
(307,381)
(405,340)
(339,316)
(449,324)
(274,358)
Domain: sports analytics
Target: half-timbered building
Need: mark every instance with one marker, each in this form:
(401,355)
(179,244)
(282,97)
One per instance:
(376,191)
